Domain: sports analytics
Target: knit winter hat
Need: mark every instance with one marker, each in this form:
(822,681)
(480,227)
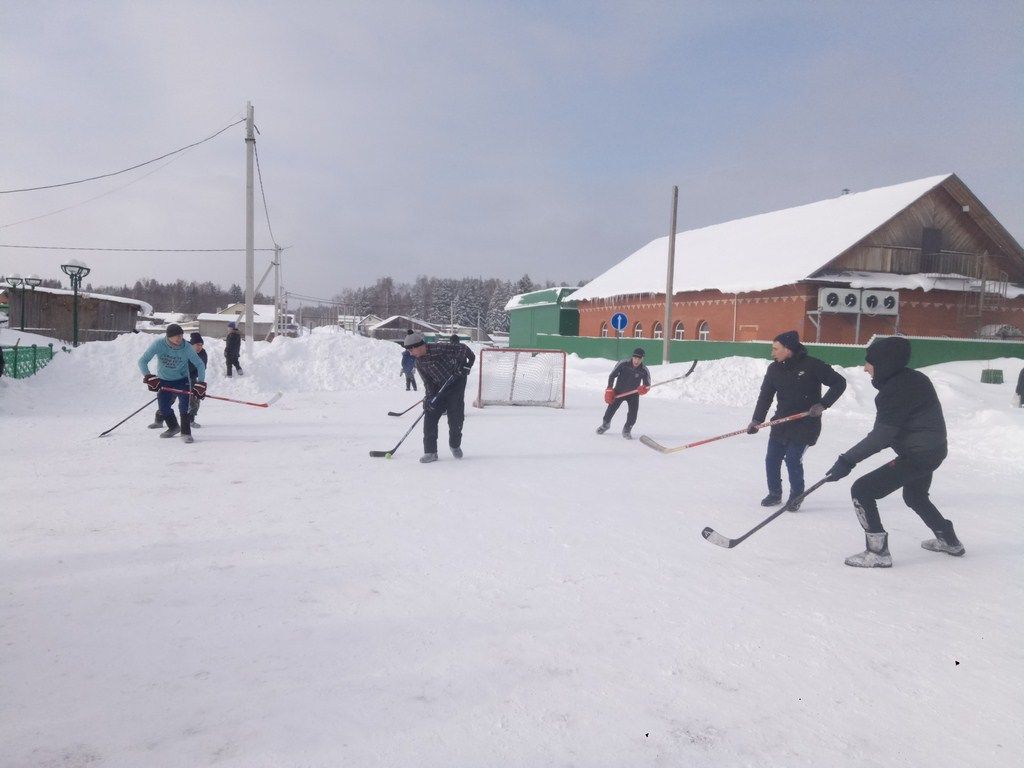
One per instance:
(413,340)
(174,330)
(790,340)
(638,352)
(195,338)
(232,325)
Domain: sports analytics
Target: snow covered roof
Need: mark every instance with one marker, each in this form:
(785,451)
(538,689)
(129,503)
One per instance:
(405,318)
(543,297)
(221,317)
(759,252)
(263,310)
(169,317)
(144,308)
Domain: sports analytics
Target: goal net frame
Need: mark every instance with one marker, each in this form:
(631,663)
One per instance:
(479,402)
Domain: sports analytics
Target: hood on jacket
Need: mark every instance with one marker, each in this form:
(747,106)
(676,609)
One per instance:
(889,356)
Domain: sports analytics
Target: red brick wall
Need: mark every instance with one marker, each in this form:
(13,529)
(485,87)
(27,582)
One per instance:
(764,314)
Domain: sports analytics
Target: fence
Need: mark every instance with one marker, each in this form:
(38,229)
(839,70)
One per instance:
(924,351)
(22,362)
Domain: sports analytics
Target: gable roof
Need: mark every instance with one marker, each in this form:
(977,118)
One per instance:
(759,252)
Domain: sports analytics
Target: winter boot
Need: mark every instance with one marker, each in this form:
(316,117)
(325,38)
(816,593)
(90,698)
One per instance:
(172,426)
(428,458)
(603,428)
(186,428)
(158,421)
(876,555)
(626,433)
(771,500)
(457,453)
(793,505)
(945,541)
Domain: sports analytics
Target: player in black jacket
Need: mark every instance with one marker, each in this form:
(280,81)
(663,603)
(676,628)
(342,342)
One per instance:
(628,376)
(909,420)
(795,379)
(233,349)
(437,364)
(193,404)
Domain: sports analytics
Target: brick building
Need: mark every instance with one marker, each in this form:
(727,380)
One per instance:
(924,258)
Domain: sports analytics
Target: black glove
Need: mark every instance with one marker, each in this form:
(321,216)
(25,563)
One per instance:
(839,470)
(816,410)
(199,389)
(151,381)
(752,427)
(465,368)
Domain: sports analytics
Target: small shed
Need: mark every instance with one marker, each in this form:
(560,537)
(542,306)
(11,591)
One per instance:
(50,312)
(544,311)
(394,328)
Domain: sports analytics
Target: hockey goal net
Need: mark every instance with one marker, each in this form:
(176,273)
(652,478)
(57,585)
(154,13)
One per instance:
(521,377)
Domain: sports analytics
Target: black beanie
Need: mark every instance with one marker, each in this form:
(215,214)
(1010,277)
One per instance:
(790,340)
(638,352)
(174,330)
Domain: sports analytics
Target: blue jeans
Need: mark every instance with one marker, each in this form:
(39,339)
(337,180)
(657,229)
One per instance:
(793,454)
(165,400)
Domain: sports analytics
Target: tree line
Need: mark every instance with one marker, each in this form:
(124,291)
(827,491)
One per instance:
(188,297)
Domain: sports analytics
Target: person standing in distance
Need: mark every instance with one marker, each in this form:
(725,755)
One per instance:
(233,349)
(409,367)
(1020,389)
(628,376)
(795,379)
(437,363)
(909,420)
(173,357)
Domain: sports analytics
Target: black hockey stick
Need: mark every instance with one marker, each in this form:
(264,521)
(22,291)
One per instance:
(718,539)
(122,421)
(402,413)
(658,384)
(393,451)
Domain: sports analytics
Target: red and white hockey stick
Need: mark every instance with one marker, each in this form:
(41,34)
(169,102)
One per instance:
(267,404)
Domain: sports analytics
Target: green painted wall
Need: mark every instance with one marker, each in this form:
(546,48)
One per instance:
(527,323)
(923,351)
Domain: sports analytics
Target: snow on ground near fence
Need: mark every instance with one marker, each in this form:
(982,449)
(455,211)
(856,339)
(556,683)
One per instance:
(271,596)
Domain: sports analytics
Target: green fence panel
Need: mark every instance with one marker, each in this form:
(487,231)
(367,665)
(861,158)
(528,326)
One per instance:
(22,362)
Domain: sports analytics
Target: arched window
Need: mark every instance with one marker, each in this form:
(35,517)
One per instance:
(679,332)
(658,334)
(604,330)
(638,331)
(704,331)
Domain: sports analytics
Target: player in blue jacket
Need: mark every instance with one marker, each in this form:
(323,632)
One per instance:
(173,357)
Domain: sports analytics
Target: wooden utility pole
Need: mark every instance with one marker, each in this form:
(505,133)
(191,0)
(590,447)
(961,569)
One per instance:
(278,325)
(666,332)
(250,266)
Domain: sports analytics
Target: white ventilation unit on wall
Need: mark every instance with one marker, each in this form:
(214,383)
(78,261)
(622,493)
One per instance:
(839,300)
(880,302)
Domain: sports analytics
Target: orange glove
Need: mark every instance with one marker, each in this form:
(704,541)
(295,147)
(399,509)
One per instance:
(643,389)
(609,396)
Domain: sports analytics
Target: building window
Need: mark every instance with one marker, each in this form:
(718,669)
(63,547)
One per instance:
(638,331)
(704,331)
(604,330)
(658,334)
(680,332)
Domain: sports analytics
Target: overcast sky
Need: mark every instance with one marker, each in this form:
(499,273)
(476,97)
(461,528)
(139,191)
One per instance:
(482,138)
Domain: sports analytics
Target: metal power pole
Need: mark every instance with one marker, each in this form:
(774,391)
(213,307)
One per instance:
(277,289)
(250,267)
(666,331)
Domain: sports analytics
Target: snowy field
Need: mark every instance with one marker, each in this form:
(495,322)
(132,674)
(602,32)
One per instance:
(272,597)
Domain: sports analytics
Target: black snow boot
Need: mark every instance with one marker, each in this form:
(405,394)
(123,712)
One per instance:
(876,552)
(945,541)
(793,504)
(626,433)
(158,421)
(603,428)
(186,428)
(771,500)
(172,426)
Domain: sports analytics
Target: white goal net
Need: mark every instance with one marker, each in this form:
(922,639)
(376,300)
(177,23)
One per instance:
(521,377)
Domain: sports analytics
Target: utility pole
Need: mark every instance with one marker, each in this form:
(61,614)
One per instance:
(277,289)
(666,331)
(250,266)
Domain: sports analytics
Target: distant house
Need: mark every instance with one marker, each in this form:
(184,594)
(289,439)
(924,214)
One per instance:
(158,322)
(923,258)
(360,324)
(215,324)
(49,312)
(394,328)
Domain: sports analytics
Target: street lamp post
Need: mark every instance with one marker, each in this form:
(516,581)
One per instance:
(32,281)
(76,270)
(14,281)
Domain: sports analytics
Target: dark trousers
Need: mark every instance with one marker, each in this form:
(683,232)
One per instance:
(913,475)
(453,403)
(233,364)
(793,454)
(165,403)
(632,404)
(410,382)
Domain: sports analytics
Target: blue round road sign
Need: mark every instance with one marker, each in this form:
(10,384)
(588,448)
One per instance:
(619,321)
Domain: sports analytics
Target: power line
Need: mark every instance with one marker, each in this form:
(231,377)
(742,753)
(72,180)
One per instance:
(263,194)
(125,170)
(132,250)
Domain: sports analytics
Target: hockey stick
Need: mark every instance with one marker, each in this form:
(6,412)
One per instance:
(666,381)
(267,404)
(393,451)
(711,535)
(652,443)
(122,421)
(402,413)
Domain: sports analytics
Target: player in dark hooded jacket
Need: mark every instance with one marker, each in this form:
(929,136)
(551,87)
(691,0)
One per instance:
(909,420)
(628,376)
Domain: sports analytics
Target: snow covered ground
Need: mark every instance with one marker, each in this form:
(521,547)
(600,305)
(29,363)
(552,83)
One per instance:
(271,596)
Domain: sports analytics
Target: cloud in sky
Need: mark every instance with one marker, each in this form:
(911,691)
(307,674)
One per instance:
(445,138)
